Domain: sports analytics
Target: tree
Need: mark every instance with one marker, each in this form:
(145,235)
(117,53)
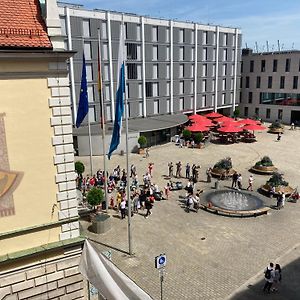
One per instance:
(142,141)
(79,167)
(236,112)
(95,196)
(186,134)
(198,137)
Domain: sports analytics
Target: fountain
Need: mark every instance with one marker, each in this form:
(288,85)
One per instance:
(234,203)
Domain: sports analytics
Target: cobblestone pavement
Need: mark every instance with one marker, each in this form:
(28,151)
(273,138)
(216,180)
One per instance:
(209,256)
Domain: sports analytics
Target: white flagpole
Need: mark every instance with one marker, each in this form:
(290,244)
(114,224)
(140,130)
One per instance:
(90,144)
(127,151)
(102,122)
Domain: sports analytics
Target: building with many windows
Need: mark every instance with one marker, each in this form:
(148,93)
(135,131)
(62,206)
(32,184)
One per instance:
(173,68)
(270,85)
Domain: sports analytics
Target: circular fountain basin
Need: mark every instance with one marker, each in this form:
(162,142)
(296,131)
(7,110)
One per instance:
(234,203)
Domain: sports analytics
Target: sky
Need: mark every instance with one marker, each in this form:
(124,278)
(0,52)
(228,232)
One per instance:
(259,20)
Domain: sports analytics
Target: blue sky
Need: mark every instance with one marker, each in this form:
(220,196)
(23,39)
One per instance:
(260,20)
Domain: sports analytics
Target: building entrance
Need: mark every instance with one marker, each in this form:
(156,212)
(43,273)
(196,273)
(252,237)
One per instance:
(295,117)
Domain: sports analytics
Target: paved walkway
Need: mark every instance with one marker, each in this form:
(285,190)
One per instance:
(210,256)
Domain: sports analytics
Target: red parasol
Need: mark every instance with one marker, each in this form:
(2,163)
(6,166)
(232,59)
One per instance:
(198,119)
(230,129)
(254,127)
(230,123)
(224,119)
(248,122)
(197,128)
(213,115)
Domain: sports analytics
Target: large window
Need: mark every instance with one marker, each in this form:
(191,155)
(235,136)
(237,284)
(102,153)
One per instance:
(295,82)
(247,82)
(251,65)
(275,62)
(258,80)
(246,111)
(279,117)
(270,82)
(282,81)
(131,51)
(132,71)
(250,97)
(287,64)
(149,89)
(263,66)
(268,113)
(154,33)
(86,28)
(280,99)
(154,53)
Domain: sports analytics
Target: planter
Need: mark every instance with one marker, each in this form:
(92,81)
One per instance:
(216,172)
(267,170)
(275,130)
(101,223)
(287,190)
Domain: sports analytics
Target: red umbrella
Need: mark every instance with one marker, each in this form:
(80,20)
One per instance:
(230,123)
(198,119)
(254,127)
(230,128)
(197,128)
(213,115)
(224,119)
(248,122)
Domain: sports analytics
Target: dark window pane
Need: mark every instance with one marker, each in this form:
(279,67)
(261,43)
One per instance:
(282,80)
(287,64)
(275,65)
(258,82)
(270,82)
(251,65)
(263,66)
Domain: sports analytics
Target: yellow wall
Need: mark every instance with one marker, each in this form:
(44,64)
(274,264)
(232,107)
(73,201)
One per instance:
(28,137)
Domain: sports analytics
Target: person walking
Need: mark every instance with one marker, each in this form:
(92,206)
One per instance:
(187,171)
(234,180)
(167,190)
(208,173)
(269,277)
(147,152)
(123,208)
(171,168)
(132,171)
(277,278)
(239,181)
(148,206)
(250,181)
(178,169)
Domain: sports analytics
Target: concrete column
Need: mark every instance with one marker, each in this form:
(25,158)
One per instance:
(195,68)
(217,69)
(235,70)
(171,69)
(143,68)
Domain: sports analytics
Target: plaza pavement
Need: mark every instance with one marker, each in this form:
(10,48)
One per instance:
(210,256)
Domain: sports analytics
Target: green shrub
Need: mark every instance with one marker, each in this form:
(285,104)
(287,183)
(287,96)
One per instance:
(277,180)
(236,113)
(95,196)
(198,137)
(142,141)
(186,134)
(265,162)
(79,167)
(224,163)
(276,125)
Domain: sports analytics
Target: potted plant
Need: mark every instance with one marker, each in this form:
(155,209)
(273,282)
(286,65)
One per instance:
(264,166)
(223,168)
(276,127)
(79,168)
(277,181)
(198,137)
(236,113)
(95,197)
(143,143)
(186,134)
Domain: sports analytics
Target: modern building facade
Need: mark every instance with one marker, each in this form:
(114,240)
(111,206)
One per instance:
(40,243)
(173,67)
(270,85)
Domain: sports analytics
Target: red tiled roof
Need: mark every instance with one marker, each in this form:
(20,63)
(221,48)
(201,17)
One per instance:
(22,26)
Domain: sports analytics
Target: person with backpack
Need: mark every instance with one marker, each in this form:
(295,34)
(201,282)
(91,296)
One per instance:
(269,278)
(277,278)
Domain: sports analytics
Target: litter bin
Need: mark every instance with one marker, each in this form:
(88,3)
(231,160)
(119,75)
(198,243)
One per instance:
(217,184)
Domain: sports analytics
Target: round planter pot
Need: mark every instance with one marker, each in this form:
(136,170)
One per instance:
(216,172)
(263,169)
(287,190)
(276,130)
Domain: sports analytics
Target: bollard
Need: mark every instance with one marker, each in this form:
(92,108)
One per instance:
(217,184)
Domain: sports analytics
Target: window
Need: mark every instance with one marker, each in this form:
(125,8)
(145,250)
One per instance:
(193,54)
(154,53)
(106,72)
(192,103)
(204,70)
(104,30)
(192,87)
(107,92)
(213,99)
(90,91)
(92,115)
(223,98)
(104,52)
(155,89)
(224,70)
(247,82)
(225,39)
(224,84)
(270,82)
(233,55)
(192,36)
(149,89)
(204,37)
(128,110)
(214,54)
(250,95)
(181,104)
(131,51)
(181,71)
(140,109)
(87,50)
(279,117)
(63,25)
(242,67)
(108,112)
(86,28)
(232,70)
(127,91)
(241,82)
(268,113)
(139,72)
(167,35)
(275,62)
(168,104)
(140,91)
(204,101)
(168,71)
(89,72)
(204,85)
(246,111)
(295,82)
(282,80)
(192,71)
(263,66)
(213,70)
(231,83)
(168,89)
(181,35)
(126,31)
(225,52)
(138,32)
(251,65)
(256,111)
(155,72)
(132,71)
(156,107)
(213,85)
(181,53)
(138,49)
(287,64)
(181,87)
(204,54)
(154,33)
(231,98)
(258,80)
(167,53)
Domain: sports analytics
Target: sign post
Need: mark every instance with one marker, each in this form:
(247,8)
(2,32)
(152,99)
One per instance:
(160,263)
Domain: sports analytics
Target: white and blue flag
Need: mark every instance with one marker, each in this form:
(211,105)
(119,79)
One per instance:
(120,97)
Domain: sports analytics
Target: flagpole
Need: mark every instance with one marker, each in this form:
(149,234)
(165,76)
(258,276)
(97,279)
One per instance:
(102,121)
(127,152)
(90,144)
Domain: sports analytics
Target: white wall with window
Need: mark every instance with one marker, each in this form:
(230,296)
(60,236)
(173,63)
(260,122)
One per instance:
(154,52)
(181,87)
(104,52)
(181,53)
(181,104)
(140,90)
(156,107)
(204,85)
(89,72)
(86,28)
(168,89)
(223,98)
(155,72)
(168,72)
(155,89)
(140,112)
(107,92)
(181,35)
(106,72)
(154,33)
(167,53)
(104,30)
(204,70)
(204,37)
(87,50)
(203,100)
(181,71)
(204,54)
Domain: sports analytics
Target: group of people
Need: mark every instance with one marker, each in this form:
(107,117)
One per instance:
(237,182)
(191,171)
(272,277)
